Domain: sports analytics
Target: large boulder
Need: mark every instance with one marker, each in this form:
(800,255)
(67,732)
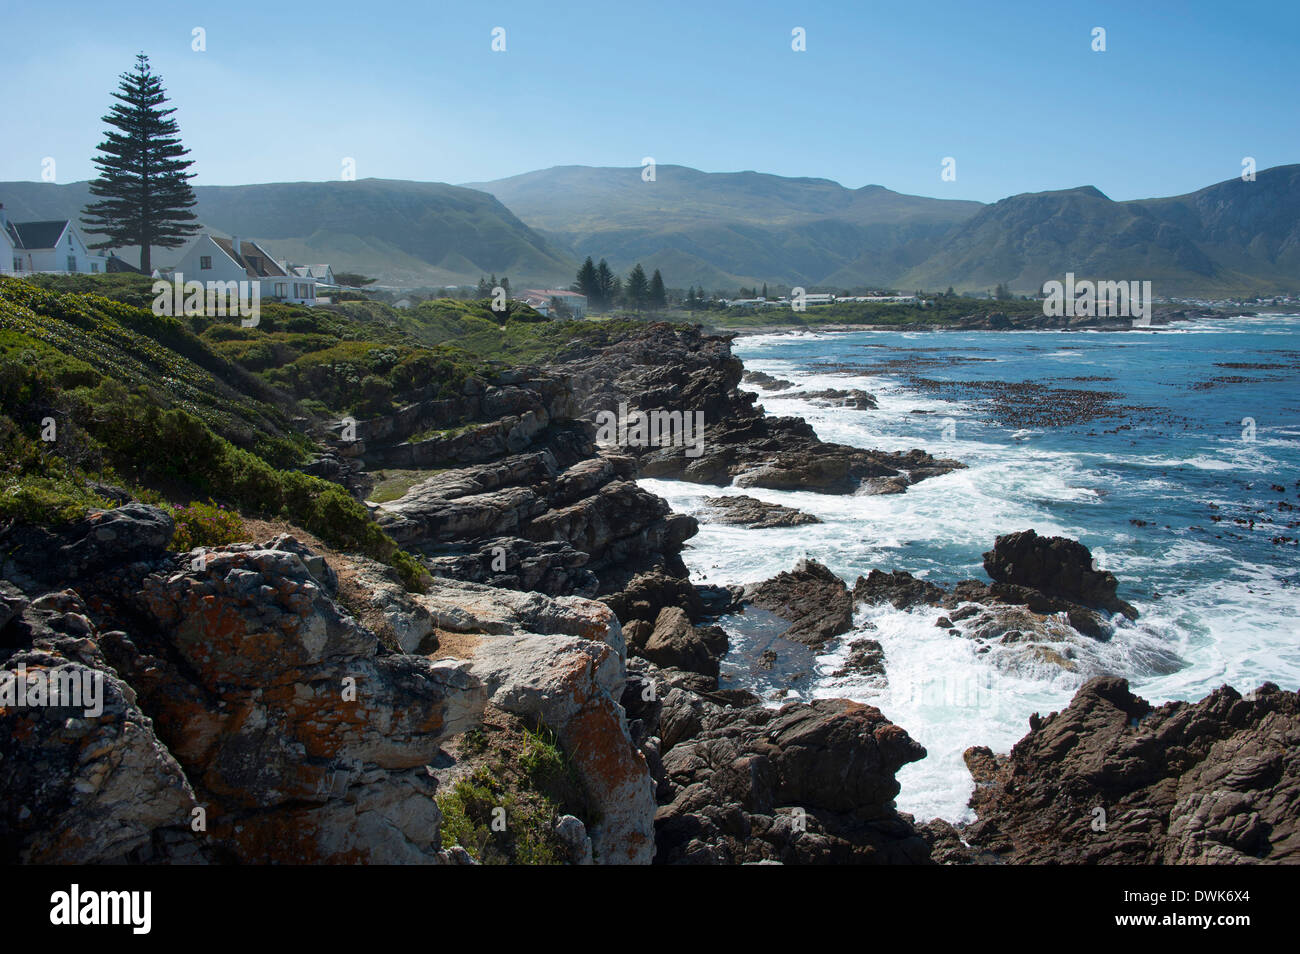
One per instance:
(809,783)
(674,643)
(1055,566)
(561,662)
(302,739)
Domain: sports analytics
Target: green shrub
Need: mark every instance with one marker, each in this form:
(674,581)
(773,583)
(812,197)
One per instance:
(474,803)
(205,525)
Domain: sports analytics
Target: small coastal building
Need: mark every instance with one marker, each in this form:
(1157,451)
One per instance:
(210,258)
(542,300)
(51,246)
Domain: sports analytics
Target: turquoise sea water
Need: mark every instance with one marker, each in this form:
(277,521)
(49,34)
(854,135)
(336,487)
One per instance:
(1133,443)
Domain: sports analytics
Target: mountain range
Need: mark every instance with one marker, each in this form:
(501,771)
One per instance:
(722,230)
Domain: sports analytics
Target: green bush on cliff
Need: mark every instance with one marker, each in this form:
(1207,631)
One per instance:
(205,525)
(496,825)
(125,437)
(522,780)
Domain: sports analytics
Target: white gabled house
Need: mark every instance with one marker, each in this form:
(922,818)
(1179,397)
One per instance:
(55,245)
(9,260)
(323,274)
(236,260)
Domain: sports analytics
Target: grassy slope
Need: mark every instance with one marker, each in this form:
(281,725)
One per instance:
(195,407)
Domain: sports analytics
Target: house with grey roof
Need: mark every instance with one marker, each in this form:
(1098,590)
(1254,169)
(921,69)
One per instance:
(53,245)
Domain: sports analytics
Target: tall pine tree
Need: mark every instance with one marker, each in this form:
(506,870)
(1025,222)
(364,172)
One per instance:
(587,283)
(658,294)
(638,289)
(143,187)
(608,285)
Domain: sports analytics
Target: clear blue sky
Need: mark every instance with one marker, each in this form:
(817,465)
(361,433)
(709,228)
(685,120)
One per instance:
(412,90)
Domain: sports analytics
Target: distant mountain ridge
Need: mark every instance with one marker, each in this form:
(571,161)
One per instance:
(725,229)
(1233,237)
(722,230)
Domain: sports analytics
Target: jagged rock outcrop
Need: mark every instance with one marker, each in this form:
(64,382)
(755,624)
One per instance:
(85,781)
(1111,779)
(811,598)
(304,741)
(768,382)
(902,590)
(1029,625)
(838,397)
(1056,567)
(561,662)
(667,368)
(674,643)
(808,783)
(551,520)
(236,685)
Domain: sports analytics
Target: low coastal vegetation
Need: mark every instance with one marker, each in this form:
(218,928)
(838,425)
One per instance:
(518,785)
(103,398)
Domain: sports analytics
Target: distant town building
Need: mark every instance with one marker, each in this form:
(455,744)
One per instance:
(53,246)
(542,301)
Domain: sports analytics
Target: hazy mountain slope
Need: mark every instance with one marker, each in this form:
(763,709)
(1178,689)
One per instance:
(410,233)
(1231,238)
(731,227)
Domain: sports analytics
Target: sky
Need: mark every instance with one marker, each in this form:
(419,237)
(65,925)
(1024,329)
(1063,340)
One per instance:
(883,93)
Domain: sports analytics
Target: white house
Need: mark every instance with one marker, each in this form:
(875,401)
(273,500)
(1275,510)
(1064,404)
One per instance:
(323,274)
(236,260)
(9,261)
(55,245)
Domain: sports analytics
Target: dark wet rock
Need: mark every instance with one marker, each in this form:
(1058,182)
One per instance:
(12,603)
(1111,779)
(809,783)
(811,598)
(674,643)
(745,511)
(1056,567)
(767,382)
(837,397)
(646,595)
(902,590)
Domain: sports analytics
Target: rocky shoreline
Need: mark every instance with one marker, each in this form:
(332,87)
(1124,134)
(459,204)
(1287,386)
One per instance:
(997,321)
(305,708)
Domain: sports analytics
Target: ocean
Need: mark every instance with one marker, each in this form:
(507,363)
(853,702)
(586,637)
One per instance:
(1172,452)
